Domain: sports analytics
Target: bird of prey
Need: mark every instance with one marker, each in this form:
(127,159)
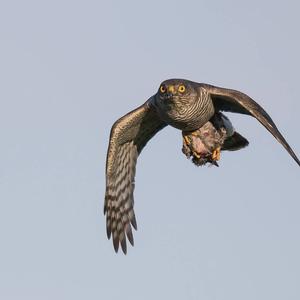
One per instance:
(196,110)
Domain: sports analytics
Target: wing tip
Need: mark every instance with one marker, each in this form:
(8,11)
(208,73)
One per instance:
(297,160)
(120,238)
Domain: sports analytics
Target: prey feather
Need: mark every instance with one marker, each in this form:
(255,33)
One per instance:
(203,145)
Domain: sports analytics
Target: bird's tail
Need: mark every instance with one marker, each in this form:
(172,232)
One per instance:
(235,142)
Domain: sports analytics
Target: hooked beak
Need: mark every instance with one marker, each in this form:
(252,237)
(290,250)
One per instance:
(171,89)
(168,96)
(170,92)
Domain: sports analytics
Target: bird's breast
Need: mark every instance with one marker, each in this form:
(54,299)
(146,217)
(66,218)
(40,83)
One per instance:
(185,117)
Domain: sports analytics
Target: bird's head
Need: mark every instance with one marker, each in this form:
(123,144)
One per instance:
(173,92)
(176,100)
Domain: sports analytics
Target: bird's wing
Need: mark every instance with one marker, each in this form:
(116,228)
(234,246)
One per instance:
(128,136)
(237,102)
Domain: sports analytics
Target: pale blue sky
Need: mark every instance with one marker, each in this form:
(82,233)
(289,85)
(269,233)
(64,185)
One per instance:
(68,70)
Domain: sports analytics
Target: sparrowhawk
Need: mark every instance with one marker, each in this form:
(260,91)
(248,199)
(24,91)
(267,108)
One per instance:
(195,109)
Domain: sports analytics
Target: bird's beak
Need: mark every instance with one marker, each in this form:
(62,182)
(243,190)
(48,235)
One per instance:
(171,89)
(170,92)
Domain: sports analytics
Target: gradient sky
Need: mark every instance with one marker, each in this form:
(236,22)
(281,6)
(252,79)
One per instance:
(68,70)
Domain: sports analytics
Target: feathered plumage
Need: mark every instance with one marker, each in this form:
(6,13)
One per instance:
(190,107)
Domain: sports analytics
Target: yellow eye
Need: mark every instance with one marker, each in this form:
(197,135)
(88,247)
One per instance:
(162,89)
(181,89)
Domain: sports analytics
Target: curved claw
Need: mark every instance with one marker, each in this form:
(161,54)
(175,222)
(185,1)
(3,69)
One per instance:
(186,140)
(216,155)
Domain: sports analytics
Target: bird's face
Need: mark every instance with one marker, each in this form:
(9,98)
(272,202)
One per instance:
(174,101)
(176,92)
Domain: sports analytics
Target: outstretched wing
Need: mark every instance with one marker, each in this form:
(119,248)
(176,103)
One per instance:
(128,136)
(235,101)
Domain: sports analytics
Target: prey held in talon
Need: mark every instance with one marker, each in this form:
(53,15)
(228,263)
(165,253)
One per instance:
(204,144)
(193,108)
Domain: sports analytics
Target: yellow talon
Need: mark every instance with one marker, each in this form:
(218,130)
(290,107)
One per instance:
(196,154)
(186,140)
(216,155)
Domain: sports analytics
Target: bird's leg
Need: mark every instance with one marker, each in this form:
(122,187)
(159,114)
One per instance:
(188,143)
(186,146)
(186,140)
(216,154)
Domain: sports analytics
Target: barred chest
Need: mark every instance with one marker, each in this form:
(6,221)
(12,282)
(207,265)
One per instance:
(185,114)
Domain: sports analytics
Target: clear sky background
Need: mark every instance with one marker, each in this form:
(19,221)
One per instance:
(68,70)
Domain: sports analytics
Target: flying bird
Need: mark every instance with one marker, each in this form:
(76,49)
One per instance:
(196,110)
